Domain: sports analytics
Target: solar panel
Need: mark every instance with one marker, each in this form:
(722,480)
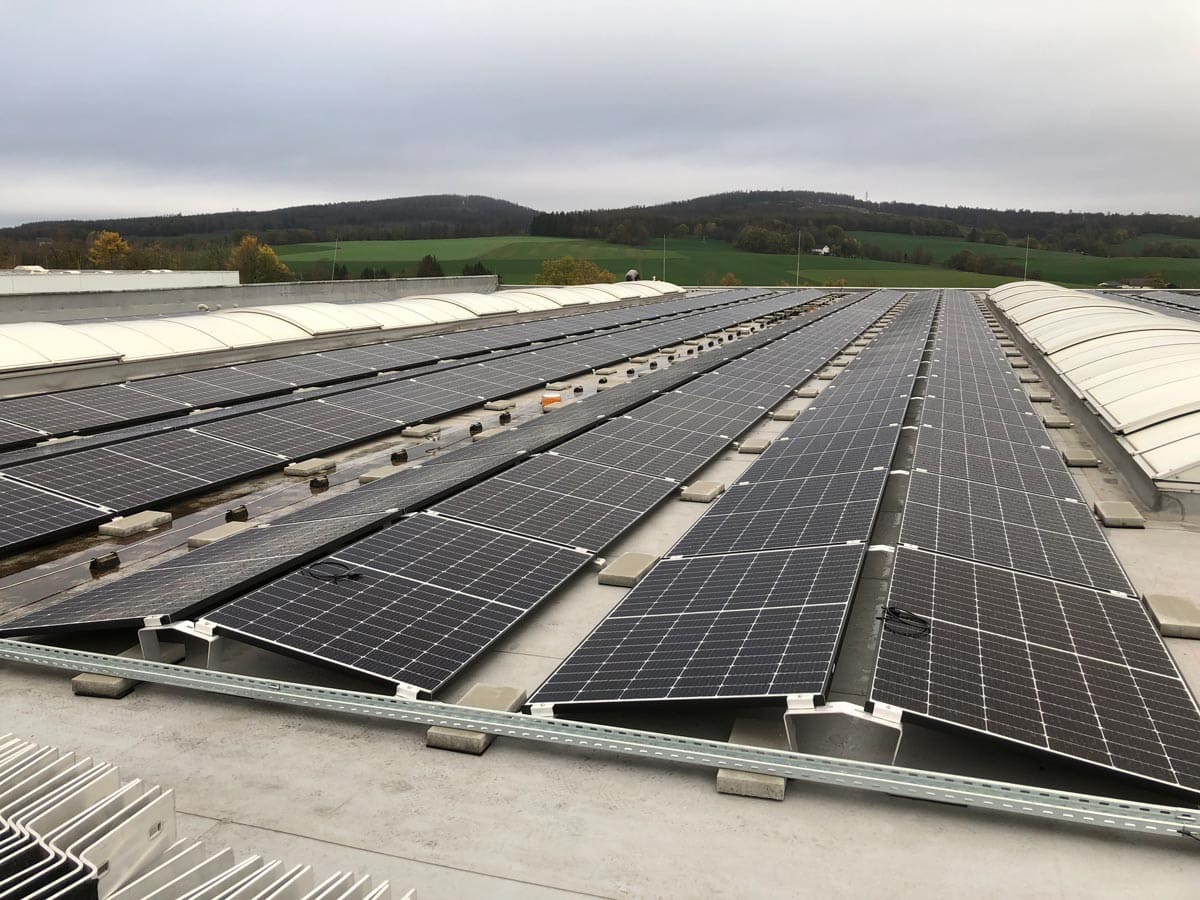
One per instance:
(308,369)
(1021,467)
(747,625)
(427,595)
(827,454)
(51,414)
(1058,538)
(600,447)
(179,587)
(213,387)
(559,499)
(803,512)
(144,470)
(1058,667)
(28,512)
(18,435)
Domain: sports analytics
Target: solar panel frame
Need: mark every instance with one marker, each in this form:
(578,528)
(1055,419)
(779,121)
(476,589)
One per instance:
(27,509)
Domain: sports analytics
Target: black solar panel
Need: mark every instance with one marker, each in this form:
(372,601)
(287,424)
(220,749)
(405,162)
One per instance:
(213,387)
(1058,667)
(1019,467)
(18,435)
(144,470)
(428,595)
(28,512)
(772,515)
(184,585)
(560,499)
(827,454)
(51,414)
(597,446)
(1026,532)
(755,624)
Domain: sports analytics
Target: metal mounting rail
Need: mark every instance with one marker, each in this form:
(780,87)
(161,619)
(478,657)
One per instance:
(917,784)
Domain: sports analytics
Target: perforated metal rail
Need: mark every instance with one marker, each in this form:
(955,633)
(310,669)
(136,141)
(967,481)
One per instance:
(917,784)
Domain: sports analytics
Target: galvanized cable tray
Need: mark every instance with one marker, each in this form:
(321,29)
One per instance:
(916,784)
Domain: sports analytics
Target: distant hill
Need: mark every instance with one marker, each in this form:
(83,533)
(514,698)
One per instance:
(400,218)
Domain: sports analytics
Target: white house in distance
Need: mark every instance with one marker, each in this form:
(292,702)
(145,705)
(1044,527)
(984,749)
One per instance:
(821,251)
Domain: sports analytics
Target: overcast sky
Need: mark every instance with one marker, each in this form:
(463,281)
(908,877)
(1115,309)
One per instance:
(130,108)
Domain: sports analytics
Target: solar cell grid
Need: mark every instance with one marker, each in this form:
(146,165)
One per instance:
(780,514)
(1062,668)
(598,447)
(105,478)
(563,500)
(827,454)
(12,435)
(120,402)
(762,624)
(27,512)
(49,413)
(190,453)
(429,595)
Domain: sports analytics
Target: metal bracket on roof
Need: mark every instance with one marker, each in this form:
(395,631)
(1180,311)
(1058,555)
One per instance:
(148,639)
(408,691)
(881,548)
(541,710)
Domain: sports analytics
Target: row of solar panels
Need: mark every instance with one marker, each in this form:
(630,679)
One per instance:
(55,495)
(26,420)
(182,586)
(1026,627)
(70,829)
(414,603)
(752,600)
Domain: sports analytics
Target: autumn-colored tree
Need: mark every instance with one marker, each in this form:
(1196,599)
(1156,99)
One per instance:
(108,251)
(257,263)
(568,270)
(730,280)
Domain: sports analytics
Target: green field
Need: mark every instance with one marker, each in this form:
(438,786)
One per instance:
(691,261)
(688,261)
(1074,269)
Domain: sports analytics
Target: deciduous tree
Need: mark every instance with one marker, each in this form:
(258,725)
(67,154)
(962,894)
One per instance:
(257,263)
(429,267)
(568,270)
(108,250)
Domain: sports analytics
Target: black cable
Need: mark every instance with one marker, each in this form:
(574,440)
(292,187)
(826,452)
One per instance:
(901,621)
(331,570)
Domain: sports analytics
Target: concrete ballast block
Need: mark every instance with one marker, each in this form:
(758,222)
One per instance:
(229,529)
(754,733)
(1029,378)
(375,474)
(806,392)
(421,431)
(114,687)
(784,414)
(1056,420)
(499,405)
(754,445)
(307,468)
(627,569)
(1040,396)
(1018,364)
(559,386)
(827,374)
(1118,514)
(1080,459)
(1175,616)
(146,520)
(480,696)
(702,491)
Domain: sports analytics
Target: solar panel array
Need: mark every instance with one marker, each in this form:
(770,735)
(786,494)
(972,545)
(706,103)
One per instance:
(27,419)
(131,474)
(206,577)
(417,602)
(752,600)
(1029,628)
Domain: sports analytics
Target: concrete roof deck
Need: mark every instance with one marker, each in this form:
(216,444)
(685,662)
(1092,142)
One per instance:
(525,820)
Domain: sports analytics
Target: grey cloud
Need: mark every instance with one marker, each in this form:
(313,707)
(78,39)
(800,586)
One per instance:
(187,107)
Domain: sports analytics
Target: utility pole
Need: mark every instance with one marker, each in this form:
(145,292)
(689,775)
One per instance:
(664,258)
(1026,276)
(333,272)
